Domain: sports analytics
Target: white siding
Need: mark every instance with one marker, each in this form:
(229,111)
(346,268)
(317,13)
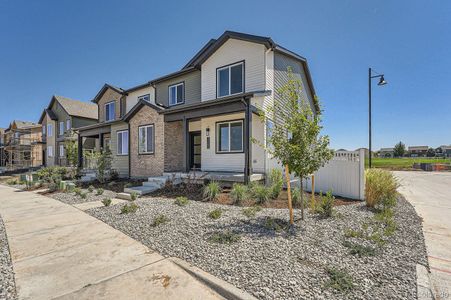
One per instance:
(233,162)
(132,98)
(230,52)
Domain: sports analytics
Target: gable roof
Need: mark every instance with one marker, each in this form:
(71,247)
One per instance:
(141,103)
(22,125)
(74,108)
(105,87)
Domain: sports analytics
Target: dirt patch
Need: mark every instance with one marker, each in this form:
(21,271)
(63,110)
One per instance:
(163,278)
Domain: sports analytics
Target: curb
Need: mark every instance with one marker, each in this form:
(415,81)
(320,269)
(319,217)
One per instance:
(223,288)
(424,289)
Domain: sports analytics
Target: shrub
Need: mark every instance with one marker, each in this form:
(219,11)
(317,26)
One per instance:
(238,193)
(133,195)
(226,237)
(215,214)
(380,188)
(91,188)
(261,193)
(53,187)
(83,195)
(326,207)
(12,181)
(354,233)
(276,180)
(339,280)
(296,198)
(114,174)
(181,201)
(106,201)
(129,208)
(77,191)
(161,219)
(275,224)
(99,191)
(359,250)
(212,191)
(250,212)
(46,174)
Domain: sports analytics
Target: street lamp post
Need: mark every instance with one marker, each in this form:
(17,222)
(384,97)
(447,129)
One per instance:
(381,82)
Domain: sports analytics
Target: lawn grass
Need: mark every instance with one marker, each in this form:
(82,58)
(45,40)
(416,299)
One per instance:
(404,163)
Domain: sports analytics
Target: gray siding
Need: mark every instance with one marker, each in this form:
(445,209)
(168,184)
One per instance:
(119,162)
(80,122)
(281,63)
(192,88)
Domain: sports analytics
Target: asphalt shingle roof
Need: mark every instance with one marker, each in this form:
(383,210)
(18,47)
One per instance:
(78,108)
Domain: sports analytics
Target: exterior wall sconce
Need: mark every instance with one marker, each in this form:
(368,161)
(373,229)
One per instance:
(208,131)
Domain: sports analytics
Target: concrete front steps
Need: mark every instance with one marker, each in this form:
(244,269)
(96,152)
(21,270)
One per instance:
(152,184)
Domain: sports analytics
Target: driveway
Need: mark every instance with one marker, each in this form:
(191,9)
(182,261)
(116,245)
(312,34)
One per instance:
(58,251)
(430,194)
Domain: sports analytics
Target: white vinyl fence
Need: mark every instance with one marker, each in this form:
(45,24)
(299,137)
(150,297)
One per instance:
(344,175)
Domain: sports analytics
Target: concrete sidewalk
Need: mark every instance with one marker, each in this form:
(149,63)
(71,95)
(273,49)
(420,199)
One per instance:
(60,252)
(430,194)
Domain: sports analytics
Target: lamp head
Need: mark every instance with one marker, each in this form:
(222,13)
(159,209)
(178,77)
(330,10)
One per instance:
(382,81)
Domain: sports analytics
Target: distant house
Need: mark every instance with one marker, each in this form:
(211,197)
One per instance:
(366,151)
(387,152)
(444,151)
(417,151)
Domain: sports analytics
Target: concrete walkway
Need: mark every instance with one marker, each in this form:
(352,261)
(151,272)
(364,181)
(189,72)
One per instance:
(60,252)
(430,194)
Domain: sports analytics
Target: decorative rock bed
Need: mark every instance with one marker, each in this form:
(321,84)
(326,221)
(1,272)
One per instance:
(7,283)
(72,198)
(277,264)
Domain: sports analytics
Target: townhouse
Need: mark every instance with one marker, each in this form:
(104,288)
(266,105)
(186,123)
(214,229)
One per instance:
(417,151)
(58,121)
(202,117)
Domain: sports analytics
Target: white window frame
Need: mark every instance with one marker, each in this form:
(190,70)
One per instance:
(114,111)
(49,130)
(49,151)
(61,151)
(145,150)
(230,137)
(122,132)
(230,79)
(142,97)
(61,128)
(68,124)
(175,88)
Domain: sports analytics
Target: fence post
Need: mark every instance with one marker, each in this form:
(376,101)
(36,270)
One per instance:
(362,174)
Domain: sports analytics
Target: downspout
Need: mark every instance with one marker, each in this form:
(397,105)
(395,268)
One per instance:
(248,133)
(129,151)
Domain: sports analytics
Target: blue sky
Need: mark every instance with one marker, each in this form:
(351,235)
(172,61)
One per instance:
(72,48)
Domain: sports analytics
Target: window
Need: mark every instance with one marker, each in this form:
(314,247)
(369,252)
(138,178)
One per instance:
(230,80)
(43,129)
(61,150)
(68,124)
(229,136)
(110,111)
(122,142)
(146,139)
(176,94)
(49,151)
(144,97)
(61,128)
(49,130)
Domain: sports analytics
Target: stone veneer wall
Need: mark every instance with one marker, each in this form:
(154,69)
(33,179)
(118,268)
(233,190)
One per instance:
(173,147)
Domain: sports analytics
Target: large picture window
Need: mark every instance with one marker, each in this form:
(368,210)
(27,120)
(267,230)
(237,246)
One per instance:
(229,136)
(230,80)
(110,111)
(122,142)
(146,136)
(176,94)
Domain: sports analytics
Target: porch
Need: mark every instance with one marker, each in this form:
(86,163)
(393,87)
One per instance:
(225,177)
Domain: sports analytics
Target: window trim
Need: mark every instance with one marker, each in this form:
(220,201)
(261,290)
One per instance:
(49,148)
(169,93)
(242,62)
(153,137)
(68,124)
(217,136)
(60,132)
(117,142)
(51,130)
(61,147)
(140,97)
(114,114)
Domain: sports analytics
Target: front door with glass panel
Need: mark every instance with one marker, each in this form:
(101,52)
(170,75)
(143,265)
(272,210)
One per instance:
(195,150)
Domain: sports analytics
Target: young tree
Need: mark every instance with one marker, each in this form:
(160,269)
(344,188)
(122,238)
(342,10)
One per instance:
(399,150)
(295,139)
(71,149)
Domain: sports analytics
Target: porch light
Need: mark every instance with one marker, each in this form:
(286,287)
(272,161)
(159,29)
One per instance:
(208,131)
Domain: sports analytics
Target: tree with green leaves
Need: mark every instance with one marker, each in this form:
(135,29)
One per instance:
(399,150)
(295,140)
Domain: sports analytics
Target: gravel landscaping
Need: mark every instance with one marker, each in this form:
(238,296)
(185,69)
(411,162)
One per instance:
(258,255)
(7,284)
(72,198)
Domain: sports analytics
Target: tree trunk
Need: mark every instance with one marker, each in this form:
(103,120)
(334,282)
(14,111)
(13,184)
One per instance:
(302,200)
(290,205)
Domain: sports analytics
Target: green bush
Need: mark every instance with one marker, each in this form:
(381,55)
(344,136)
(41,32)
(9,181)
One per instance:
(340,280)
(212,191)
(359,250)
(106,201)
(181,201)
(91,188)
(261,193)
(215,214)
(380,188)
(159,220)
(276,180)
(46,174)
(99,191)
(129,208)
(77,191)
(226,237)
(12,181)
(326,205)
(134,195)
(238,193)
(250,212)
(53,187)
(275,224)
(350,233)
(83,195)
(296,198)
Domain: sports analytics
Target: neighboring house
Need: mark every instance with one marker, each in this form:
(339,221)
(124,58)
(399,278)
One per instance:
(387,152)
(444,151)
(22,145)
(366,151)
(418,151)
(204,116)
(58,120)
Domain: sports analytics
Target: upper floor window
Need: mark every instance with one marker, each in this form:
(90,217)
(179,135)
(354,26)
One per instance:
(43,129)
(61,128)
(230,80)
(176,94)
(68,124)
(146,139)
(122,142)
(110,111)
(144,97)
(49,130)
